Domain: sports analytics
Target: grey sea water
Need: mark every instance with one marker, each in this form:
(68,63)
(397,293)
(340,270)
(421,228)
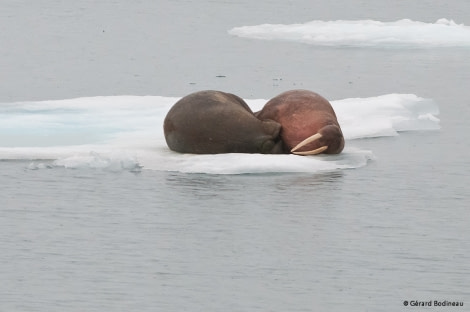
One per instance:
(364,239)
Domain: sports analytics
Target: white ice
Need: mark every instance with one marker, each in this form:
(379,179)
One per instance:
(364,33)
(126,133)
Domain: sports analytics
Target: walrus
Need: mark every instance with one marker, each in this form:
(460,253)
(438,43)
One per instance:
(309,123)
(213,122)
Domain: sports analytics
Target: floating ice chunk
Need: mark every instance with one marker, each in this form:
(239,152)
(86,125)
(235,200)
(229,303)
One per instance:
(258,163)
(126,133)
(364,33)
(115,162)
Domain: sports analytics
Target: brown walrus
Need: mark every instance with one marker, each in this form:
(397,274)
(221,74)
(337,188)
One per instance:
(212,122)
(309,124)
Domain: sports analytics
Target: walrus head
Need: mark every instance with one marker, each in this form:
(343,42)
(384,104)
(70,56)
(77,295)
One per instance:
(328,140)
(309,123)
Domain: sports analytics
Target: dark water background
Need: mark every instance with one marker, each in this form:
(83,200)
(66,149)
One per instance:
(353,240)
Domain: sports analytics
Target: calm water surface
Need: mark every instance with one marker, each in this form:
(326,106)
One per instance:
(365,239)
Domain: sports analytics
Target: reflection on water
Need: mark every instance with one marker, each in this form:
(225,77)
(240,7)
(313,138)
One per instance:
(249,189)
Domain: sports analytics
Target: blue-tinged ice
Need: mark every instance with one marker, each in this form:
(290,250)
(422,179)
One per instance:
(126,133)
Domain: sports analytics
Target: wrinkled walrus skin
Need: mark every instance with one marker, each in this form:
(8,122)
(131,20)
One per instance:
(213,122)
(309,123)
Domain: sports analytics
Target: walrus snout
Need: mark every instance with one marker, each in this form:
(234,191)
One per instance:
(334,136)
(329,140)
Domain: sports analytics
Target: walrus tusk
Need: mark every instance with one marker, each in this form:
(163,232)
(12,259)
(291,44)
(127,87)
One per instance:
(313,152)
(312,138)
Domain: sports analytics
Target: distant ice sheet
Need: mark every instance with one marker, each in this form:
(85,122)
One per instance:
(364,33)
(126,133)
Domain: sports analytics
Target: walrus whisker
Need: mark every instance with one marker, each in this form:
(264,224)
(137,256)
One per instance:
(310,139)
(312,152)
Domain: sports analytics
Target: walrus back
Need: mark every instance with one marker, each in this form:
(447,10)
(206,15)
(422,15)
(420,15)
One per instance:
(211,122)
